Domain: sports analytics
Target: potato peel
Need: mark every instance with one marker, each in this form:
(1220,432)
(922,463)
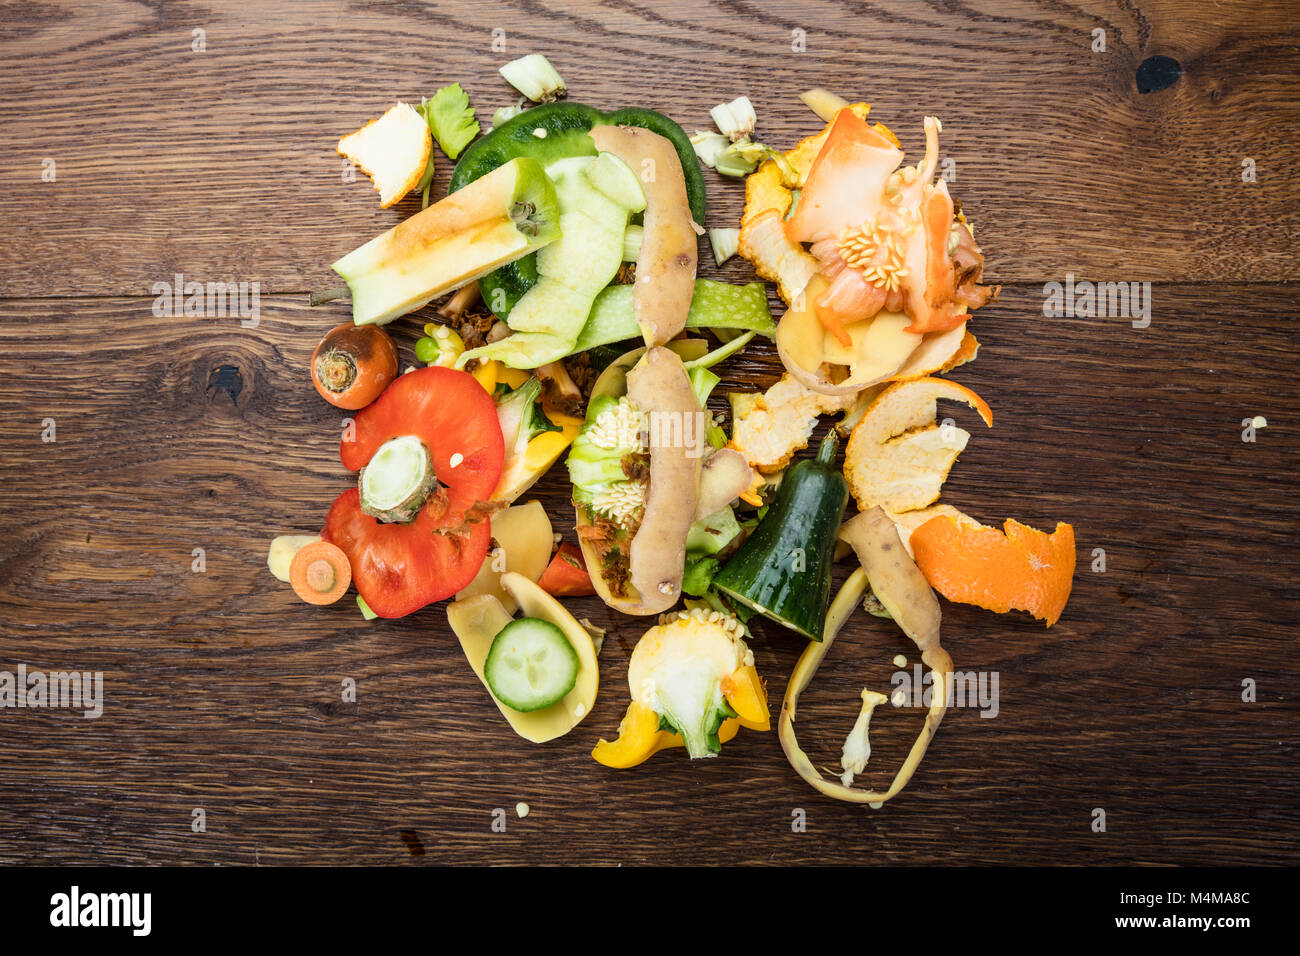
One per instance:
(935,657)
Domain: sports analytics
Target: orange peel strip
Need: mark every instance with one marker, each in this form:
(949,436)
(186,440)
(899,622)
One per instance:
(1017,568)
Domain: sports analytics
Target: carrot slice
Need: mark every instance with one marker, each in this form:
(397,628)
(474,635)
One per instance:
(320,573)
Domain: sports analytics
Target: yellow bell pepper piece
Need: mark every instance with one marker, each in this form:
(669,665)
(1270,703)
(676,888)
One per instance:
(639,738)
(638,734)
(486,375)
(745,693)
(513,377)
(547,447)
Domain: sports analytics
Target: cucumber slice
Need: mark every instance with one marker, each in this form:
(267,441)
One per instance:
(531,665)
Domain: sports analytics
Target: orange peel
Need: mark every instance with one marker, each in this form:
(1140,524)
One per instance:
(1018,568)
(898,457)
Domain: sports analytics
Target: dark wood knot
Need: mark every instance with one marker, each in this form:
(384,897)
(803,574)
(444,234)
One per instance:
(226,378)
(1157,73)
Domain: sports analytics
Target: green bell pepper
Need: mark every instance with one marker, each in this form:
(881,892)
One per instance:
(550,133)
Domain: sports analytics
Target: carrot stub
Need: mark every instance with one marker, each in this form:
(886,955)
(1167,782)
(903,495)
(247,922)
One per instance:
(320,573)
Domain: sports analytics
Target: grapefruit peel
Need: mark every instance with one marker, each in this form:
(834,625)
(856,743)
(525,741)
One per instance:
(784,204)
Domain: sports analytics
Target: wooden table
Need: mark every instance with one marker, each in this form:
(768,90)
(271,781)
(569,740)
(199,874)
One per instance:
(137,147)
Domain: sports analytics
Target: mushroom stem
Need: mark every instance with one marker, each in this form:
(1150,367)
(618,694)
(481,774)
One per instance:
(460,303)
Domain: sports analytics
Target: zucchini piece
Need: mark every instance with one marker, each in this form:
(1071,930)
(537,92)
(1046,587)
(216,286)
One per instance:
(783,570)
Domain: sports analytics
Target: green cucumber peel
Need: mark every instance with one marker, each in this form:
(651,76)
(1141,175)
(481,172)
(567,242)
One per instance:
(714,305)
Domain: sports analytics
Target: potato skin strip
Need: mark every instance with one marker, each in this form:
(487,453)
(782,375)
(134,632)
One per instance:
(935,657)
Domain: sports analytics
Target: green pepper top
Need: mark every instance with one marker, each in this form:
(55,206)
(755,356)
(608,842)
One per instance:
(565,126)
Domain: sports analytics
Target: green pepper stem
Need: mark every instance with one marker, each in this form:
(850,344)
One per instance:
(830,445)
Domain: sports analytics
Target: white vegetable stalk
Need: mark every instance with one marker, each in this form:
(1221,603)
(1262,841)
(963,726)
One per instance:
(857,748)
(535,78)
(725,243)
(504,114)
(632,239)
(736,119)
(709,147)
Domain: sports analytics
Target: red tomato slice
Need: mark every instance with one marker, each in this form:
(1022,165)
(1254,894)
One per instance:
(566,575)
(399,568)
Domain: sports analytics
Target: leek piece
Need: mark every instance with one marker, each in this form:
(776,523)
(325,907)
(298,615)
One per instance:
(704,381)
(535,78)
(709,146)
(725,244)
(505,113)
(736,119)
(720,353)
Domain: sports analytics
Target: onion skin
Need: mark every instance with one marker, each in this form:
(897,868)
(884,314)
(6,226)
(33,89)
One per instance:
(353,364)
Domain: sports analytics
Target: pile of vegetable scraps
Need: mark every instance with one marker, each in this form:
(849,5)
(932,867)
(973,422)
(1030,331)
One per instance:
(572,324)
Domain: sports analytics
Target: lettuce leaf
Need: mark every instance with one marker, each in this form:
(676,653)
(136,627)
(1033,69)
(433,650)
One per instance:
(451,119)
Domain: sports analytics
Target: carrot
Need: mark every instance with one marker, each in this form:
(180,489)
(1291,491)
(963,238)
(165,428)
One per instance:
(320,573)
(353,364)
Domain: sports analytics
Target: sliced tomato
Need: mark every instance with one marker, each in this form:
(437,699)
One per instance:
(399,568)
(455,418)
(566,575)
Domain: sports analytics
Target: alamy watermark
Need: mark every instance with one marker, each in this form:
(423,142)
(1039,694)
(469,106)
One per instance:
(688,430)
(31,690)
(76,909)
(216,300)
(977,689)
(1085,299)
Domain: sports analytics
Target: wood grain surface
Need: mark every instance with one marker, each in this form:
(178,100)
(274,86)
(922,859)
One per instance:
(222,692)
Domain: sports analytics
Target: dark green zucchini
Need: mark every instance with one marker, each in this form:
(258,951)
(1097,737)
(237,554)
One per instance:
(784,570)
